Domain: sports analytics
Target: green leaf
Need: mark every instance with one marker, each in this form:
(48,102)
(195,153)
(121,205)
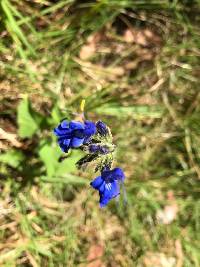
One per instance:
(26,123)
(137,112)
(50,155)
(66,179)
(12,158)
(56,116)
(69,164)
(40,248)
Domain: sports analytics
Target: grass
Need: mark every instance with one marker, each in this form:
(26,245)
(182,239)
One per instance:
(137,65)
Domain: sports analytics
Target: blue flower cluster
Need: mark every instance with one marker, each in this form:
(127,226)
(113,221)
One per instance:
(108,184)
(74,133)
(96,140)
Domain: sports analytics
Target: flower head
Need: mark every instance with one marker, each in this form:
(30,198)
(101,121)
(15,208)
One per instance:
(108,184)
(74,133)
(102,129)
(98,149)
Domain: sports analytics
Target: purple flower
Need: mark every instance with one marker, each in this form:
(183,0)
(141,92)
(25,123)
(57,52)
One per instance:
(102,129)
(74,133)
(98,149)
(108,184)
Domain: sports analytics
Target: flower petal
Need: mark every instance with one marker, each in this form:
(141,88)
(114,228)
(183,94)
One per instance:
(76,142)
(111,190)
(62,129)
(79,133)
(64,124)
(90,128)
(64,144)
(75,125)
(108,175)
(97,182)
(102,188)
(60,132)
(118,174)
(103,201)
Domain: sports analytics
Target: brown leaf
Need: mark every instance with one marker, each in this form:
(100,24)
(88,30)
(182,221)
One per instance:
(87,51)
(141,37)
(94,256)
(135,36)
(158,260)
(168,214)
(12,138)
(128,36)
(179,253)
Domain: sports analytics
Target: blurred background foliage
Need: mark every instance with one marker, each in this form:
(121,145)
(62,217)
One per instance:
(137,64)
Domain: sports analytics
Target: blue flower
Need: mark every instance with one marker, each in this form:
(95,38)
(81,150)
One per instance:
(102,129)
(90,130)
(74,133)
(108,184)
